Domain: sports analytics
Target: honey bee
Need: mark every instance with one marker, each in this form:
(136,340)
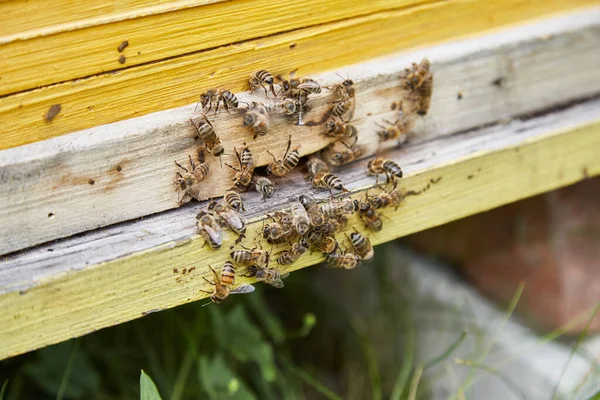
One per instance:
(334,209)
(263,185)
(262,78)
(415,77)
(278,232)
(300,218)
(343,90)
(425,92)
(287,164)
(223,284)
(269,276)
(293,88)
(256,118)
(324,243)
(329,181)
(188,182)
(243,178)
(334,225)
(370,216)
(208,138)
(308,85)
(396,130)
(316,165)
(293,107)
(382,166)
(343,107)
(214,97)
(288,257)
(209,229)
(344,260)
(340,130)
(312,209)
(228,216)
(394,198)
(246,258)
(338,158)
(233,199)
(362,246)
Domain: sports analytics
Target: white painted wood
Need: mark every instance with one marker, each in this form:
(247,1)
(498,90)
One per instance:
(45,187)
(23,270)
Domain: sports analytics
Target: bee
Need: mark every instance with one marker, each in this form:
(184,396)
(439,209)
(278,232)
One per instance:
(208,138)
(188,182)
(329,181)
(223,283)
(362,246)
(344,90)
(338,158)
(316,165)
(257,119)
(334,225)
(370,216)
(247,258)
(262,78)
(267,275)
(289,87)
(300,218)
(277,233)
(396,130)
(425,92)
(209,229)
(394,198)
(243,178)
(228,216)
(324,243)
(287,164)
(292,107)
(344,260)
(288,257)
(233,199)
(312,209)
(334,209)
(415,77)
(263,185)
(343,107)
(214,97)
(308,85)
(382,166)
(340,130)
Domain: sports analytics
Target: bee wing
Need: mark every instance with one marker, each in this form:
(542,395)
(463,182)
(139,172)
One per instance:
(242,289)
(215,234)
(278,283)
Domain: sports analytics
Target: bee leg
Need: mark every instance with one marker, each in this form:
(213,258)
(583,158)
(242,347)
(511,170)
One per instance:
(273,90)
(266,92)
(240,238)
(209,282)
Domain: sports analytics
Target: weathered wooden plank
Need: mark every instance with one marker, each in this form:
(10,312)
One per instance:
(93,50)
(174,82)
(47,300)
(32,18)
(131,163)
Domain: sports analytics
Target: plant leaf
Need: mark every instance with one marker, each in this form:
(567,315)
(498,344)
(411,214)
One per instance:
(148,390)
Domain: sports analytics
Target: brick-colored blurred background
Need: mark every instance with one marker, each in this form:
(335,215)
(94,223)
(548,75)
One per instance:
(551,242)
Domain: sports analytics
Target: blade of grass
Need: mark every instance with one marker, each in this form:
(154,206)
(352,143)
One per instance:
(515,389)
(511,308)
(3,390)
(311,381)
(582,336)
(448,352)
(182,375)
(407,364)
(414,384)
(64,382)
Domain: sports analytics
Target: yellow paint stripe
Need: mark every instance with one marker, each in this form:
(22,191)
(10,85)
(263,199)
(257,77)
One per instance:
(176,82)
(114,292)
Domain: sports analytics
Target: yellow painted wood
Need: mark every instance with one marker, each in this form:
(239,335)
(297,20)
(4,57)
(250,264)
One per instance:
(88,51)
(81,302)
(30,18)
(175,82)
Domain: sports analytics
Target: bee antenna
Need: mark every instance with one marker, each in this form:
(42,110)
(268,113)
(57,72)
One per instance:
(206,304)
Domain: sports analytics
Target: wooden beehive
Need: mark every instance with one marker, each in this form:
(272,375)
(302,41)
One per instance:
(91,231)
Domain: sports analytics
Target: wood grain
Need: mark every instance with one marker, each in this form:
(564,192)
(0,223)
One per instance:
(93,50)
(32,18)
(131,163)
(174,82)
(457,176)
